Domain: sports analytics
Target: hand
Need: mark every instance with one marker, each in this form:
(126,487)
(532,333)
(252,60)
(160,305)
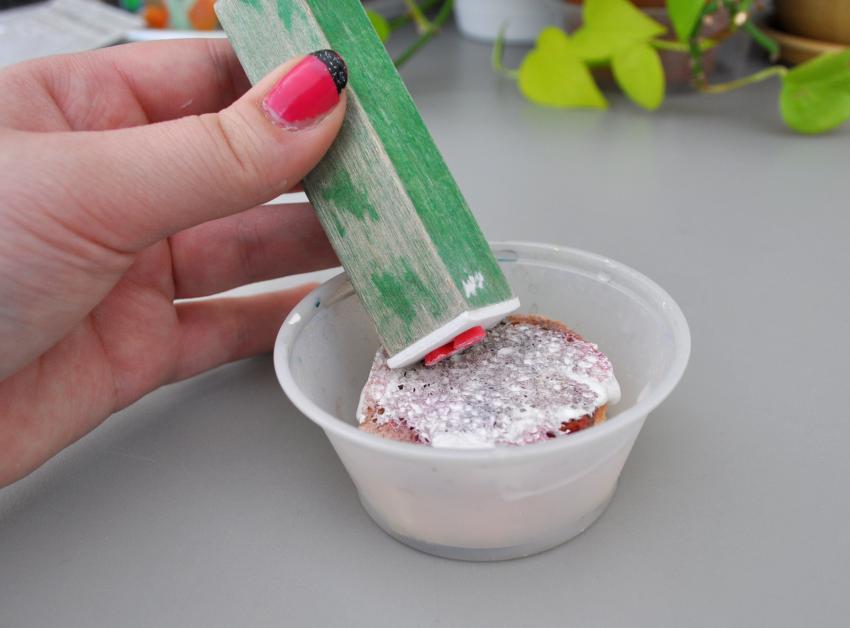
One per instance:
(131,177)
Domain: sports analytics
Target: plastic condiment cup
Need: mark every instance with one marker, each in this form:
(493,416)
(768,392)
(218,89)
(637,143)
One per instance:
(506,502)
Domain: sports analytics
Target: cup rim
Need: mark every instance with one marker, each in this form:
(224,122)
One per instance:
(303,312)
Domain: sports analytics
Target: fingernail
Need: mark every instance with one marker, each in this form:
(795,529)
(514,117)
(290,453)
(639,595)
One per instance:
(308,92)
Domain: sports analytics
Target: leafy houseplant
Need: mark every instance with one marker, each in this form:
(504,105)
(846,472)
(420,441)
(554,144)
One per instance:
(416,13)
(815,96)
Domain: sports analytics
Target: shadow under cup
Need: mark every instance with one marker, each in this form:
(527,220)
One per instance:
(511,501)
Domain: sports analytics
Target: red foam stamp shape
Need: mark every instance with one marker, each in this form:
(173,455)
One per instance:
(467,339)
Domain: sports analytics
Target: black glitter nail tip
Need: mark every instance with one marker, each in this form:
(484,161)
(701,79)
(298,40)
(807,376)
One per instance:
(335,65)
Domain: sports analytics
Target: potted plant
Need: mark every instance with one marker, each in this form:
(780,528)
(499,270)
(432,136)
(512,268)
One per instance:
(615,34)
(676,65)
(414,12)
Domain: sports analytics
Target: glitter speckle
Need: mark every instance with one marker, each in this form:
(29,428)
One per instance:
(526,382)
(335,65)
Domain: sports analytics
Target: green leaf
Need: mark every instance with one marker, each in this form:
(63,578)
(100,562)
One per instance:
(611,26)
(639,73)
(684,14)
(816,95)
(554,75)
(379,22)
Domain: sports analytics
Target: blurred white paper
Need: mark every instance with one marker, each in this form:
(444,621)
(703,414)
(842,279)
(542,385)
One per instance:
(60,26)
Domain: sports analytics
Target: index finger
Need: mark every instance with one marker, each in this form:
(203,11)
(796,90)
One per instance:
(176,78)
(124,85)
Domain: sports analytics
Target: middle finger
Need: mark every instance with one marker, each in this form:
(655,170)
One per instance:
(262,243)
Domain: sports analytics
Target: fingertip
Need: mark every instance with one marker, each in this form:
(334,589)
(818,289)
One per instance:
(284,125)
(307,91)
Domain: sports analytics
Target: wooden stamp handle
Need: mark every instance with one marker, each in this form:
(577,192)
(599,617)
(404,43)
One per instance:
(392,210)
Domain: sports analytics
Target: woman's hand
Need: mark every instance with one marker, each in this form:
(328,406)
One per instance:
(131,177)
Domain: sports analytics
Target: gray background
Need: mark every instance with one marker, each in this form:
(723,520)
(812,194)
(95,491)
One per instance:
(215,503)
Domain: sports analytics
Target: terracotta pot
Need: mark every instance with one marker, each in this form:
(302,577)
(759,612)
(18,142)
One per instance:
(795,49)
(825,20)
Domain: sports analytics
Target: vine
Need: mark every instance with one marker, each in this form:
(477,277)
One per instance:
(814,96)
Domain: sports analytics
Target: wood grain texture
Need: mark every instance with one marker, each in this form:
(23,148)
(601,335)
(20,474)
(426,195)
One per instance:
(392,210)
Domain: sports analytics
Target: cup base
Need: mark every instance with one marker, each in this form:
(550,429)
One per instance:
(490,554)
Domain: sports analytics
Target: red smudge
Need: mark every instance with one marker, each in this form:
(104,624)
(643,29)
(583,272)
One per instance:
(463,341)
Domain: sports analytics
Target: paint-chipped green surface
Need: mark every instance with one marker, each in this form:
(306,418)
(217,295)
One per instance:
(439,202)
(383,193)
(349,197)
(284,12)
(407,290)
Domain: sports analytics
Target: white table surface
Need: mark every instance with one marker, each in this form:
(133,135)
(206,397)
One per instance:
(215,503)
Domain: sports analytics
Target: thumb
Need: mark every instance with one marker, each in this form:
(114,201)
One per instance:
(131,187)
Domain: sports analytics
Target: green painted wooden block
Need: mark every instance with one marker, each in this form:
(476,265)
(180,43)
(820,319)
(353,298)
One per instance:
(410,245)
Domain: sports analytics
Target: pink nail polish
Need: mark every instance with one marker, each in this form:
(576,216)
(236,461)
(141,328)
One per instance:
(308,92)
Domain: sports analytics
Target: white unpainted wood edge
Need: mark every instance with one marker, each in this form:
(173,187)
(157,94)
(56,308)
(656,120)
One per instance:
(486,317)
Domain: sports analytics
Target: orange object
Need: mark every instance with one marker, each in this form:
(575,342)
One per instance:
(156,16)
(202,16)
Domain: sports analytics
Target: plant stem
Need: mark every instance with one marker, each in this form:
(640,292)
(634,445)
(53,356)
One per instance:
(497,60)
(402,20)
(739,13)
(432,29)
(670,45)
(762,39)
(697,68)
(418,17)
(693,46)
(761,75)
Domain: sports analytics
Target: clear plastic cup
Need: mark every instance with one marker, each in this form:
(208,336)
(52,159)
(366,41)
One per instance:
(512,501)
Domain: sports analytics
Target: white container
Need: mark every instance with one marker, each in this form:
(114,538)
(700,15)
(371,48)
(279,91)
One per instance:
(482,19)
(512,501)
